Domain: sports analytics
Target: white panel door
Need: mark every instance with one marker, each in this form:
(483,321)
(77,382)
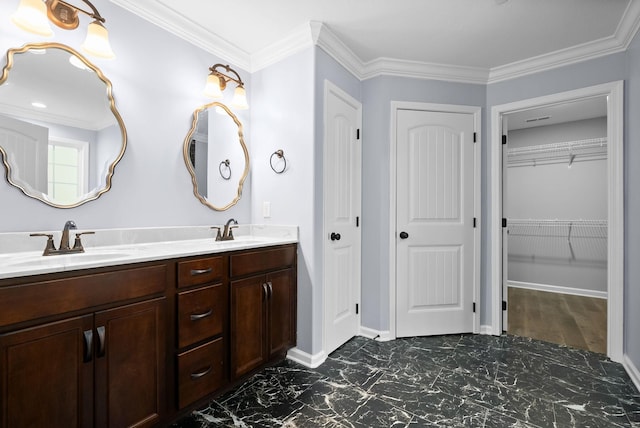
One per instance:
(342,188)
(434,223)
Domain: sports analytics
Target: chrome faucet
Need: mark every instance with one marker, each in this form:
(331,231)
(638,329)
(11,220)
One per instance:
(227,232)
(50,248)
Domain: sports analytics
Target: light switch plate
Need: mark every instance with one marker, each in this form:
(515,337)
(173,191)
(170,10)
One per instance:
(266,209)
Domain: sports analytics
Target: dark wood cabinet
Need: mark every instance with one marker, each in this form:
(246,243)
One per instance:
(101,368)
(130,365)
(263,314)
(45,378)
(203,310)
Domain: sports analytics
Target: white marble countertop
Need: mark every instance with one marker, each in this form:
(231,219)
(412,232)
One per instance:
(21,254)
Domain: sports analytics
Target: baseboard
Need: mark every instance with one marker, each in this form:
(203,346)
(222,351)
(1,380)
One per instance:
(558,289)
(381,336)
(632,370)
(486,329)
(307,360)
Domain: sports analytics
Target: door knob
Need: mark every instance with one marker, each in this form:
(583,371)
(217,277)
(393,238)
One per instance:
(334,236)
(404,235)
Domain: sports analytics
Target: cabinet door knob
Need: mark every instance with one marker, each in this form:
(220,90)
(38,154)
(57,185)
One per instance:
(404,235)
(265,295)
(334,236)
(270,286)
(196,317)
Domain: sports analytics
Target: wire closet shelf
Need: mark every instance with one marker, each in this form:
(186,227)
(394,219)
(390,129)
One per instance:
(567,151)
(556,228)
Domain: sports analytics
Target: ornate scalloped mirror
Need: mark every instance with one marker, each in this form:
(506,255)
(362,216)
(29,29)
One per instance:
(216,156)
(60,133)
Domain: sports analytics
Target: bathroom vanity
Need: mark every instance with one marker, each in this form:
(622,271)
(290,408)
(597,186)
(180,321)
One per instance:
(141,339)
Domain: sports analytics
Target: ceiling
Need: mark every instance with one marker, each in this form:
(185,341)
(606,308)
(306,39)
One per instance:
(467,40)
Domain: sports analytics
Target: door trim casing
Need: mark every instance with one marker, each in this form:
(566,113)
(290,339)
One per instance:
(442,108)
(614,91)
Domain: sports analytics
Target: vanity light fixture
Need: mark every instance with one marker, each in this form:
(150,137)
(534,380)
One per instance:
(217,82)
(34,16)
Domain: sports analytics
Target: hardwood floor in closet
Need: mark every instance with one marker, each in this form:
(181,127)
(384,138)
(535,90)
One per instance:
(576,321)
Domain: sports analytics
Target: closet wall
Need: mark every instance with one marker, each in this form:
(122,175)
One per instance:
(556,202)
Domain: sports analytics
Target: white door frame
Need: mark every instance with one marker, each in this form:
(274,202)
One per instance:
(614,91)
(444,108)
(330,87)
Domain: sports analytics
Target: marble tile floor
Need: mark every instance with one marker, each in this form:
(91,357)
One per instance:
(442,381)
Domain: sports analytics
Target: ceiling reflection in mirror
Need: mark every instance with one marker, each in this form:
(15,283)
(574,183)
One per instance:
(60,133)
(216,156)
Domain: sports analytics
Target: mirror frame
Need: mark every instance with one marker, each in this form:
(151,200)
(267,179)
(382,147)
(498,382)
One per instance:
(190,167)
(109,93)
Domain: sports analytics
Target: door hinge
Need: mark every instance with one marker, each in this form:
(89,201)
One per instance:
(357,134)
(474,307)
(357,309)
(474,222)
(504,305)
(504,222)
(475,137)
(358,221)
(504,139)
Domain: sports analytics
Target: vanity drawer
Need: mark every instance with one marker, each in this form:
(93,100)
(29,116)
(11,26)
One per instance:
(262,260)
(200,271)
(200,372)
(201,314)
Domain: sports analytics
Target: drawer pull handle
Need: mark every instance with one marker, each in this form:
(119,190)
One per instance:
(195,272)
(196,317)
(200,374)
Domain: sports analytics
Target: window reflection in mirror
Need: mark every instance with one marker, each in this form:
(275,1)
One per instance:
(60,133)
(216,156)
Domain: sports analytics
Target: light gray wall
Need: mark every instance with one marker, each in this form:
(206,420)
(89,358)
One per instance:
(283,118)
(632,204)
(547,255)
(377,94)
(158,80)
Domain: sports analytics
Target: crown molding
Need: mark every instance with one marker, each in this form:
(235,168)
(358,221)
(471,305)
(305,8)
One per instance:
(424,70)
(174,22)
(299,39)
(316,33)
(619,42)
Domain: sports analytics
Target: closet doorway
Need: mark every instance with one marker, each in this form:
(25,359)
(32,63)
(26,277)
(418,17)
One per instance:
(613,93)
(555,243)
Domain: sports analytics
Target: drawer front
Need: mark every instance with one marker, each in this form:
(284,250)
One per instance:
(201,314)
(58,296)
(201,371)
(200,271)
(262,260)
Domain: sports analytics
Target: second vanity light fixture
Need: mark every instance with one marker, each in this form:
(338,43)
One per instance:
(34,16)
(217,82)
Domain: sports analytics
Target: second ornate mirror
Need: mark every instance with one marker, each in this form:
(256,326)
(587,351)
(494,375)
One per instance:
(216,156)
(60,133)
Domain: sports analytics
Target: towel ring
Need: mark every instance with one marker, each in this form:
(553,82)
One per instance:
(280,154)
(225,163)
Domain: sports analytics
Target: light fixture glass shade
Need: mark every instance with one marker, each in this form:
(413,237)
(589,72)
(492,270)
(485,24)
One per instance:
(31,16)
(97,41)
(239,100)
(212,88)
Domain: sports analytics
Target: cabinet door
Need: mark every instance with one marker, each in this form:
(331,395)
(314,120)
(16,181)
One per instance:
(281,314)
(130,365)
(248,322)
(46,375)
